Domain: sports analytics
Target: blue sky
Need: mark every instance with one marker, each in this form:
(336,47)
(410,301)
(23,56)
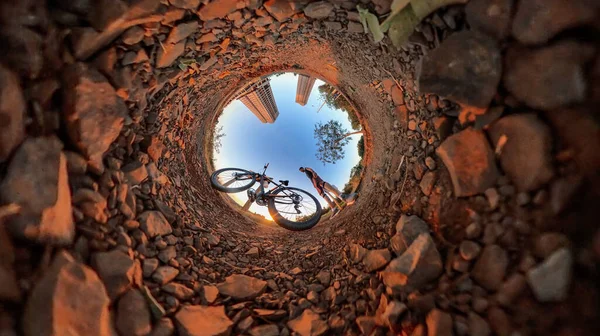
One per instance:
(286,144)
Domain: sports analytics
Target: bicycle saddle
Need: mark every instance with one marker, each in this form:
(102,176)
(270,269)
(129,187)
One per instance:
(284,182)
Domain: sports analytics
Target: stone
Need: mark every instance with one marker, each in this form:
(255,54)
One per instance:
(355,28)
(470,161)
(551,279)
(133,35)
(308,324)
(155,148)
(265,330)
(242,287)
(117,271)
(135,172)
(217,9)
(465,68)
(179,291)
(439,323)
(182,31)
(157,176)
(12,112)
(550,77)
(427,182)
(211,293)
(170,252)
(430,163)
(511,289)
(469,250)
(549,242)
(366,324)
(201,320)
(185,4)
(357,252)
(376,259)
(91,203)
(401,113)
(499,321)
(281,10)
(133,315)
(490,17)
(71,293)
(164,274)
(153,223)
(324,277)
(37,181)
(164,327)
(27,55)
(526,156)
(478,326)
(490,268)
(538,21)
(253,252)
(418,265)
(408,228)
(149,265)
(493,197)
(167,55)
(318,10)
(332,25)
(9,287)
(135,57)
(76,163)
(390,317)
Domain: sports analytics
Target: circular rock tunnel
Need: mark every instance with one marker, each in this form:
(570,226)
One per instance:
(475,213)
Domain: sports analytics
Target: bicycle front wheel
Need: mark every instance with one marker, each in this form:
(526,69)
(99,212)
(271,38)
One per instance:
(232,180)
(294,209)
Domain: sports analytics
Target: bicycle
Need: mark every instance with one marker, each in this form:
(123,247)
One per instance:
(291,208)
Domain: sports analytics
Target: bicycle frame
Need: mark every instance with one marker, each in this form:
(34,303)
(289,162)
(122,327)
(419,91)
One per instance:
(260,192)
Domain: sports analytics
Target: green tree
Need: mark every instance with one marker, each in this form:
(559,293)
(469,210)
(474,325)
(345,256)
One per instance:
(217,138)
(361,147)
(336,100)
(331,138)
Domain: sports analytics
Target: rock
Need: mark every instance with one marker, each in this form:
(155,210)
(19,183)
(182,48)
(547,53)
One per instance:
(92,110)
(253,252)
(408,229)
(366,324)
(181,292)
(182,31)
(357,252)
(9,287)
(490,17)
(308,324)
(548,78)
(281,10)
(133,315)
(499,321)
(550,280)
(164,274)
(92,204)
(390,317)
(153,223)
(439,323)
(430,163)
(469,250)
(76,163)
(155,148)
(135,172)
(470,162)
(332,25)
(149,266)
(478,326)
(526,156)
(209,63)
(493,197)
(376,259)
(537,21)
(420,264)
(242,287)
(324,277)
(511,289)
(318,10)
(117,271)
(155,308)
(490,268)
(201,320)
(164,327)
(186,4)
(133,35)
(12,112)
(135,58)
(472,76)
(157,176)
(211,293)
(170,252)
(549,242)
(265,330)
(427,182)
(355,28)
(26,46)
(217,9)
(71,293)
(37,181)
(167,55)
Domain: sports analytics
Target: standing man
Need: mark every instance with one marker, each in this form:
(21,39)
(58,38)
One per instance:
(323,186)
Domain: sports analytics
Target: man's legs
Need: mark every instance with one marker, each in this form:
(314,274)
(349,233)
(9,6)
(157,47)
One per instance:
(335,192)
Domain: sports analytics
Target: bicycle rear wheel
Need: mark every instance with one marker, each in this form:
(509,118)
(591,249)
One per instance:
(295,209)
(232,180)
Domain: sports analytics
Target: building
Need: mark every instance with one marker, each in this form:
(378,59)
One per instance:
(258,98)
(305,85)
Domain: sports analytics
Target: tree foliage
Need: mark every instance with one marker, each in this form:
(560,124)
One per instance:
(217,137)
(361,147)
(331,139)
(334,100)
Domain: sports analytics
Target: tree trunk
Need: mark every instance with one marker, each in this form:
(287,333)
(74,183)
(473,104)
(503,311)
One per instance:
(349,134)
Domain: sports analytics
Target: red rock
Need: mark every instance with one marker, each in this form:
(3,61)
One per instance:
(201,320)
(12,112)
(182,31)
(93,111)
(9,288)
(26,50)
(428,182)
(376,259)
(117,271)
(408,228)
(37,181)
(318,10)
(526,157)
(281,10)
(133,315)
(470,161)
(217,9)
(439,323)
(308,324)
(491,17)
(490,268)
(153,223)
(185,4)
(465,68)
(537,21)
(165,57)
(242,287)
(69,299)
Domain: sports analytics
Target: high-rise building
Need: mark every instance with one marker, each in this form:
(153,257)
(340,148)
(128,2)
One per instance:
(305,85)
(258,98)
